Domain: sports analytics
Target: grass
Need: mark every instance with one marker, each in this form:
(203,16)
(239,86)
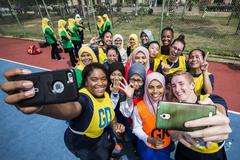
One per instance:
(211,33)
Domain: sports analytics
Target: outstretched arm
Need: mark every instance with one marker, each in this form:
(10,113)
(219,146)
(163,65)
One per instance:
(66,111)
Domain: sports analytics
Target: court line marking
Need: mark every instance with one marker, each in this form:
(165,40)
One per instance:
(234,112)
(24,64)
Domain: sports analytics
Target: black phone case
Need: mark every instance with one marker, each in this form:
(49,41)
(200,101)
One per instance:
(51,87)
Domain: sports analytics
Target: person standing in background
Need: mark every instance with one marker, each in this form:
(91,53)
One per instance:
(100,24)
(107,23)
(66,41)
(118,41)
(146,37)
(79,24)
(50,38)
(73,32)
(167,37)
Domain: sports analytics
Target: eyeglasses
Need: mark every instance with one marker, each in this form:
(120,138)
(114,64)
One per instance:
(139,81)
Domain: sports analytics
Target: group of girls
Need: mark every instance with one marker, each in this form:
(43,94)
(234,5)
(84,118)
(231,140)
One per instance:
(145,74)
(71,35)
(120,90)
(103,24)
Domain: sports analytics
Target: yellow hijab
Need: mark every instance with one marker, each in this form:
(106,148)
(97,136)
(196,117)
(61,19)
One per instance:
(71,24)
(87,49)
(100,21)
(61,27)
(135,37)
(45,24)
(106,17)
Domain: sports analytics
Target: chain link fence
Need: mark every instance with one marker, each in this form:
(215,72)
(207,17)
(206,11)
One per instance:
(213,27)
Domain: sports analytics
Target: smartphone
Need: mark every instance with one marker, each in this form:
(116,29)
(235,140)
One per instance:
(172,115)
(50,87)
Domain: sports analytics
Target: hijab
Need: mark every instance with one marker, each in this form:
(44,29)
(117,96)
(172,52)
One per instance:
(100,21)
(135,37)
(152,106)
(116,66)
(45,24)
(138,68)
(113,67)
(71,24)
(145,52)
(107,18)
(87,49)
(61,28)
(121,49)
(149,35)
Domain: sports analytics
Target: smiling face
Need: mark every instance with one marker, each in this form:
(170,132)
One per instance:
(167,37)
(112,56)
(118,42)
(141,58)
(136,81)
(153,50)
(86,58)
(176,50)
(107,39)
(96,83)
(116,76)
(132,41)
(195,59)
(155,90)
(144,38)
(182,88)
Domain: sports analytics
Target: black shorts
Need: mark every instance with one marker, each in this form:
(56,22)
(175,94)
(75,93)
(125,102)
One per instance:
(87,148)
(184,153)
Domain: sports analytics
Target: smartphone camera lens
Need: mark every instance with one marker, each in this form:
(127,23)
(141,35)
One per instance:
(58,87)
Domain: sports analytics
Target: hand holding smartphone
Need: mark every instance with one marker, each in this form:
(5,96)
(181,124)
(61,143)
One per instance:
(50,87)
(171,115)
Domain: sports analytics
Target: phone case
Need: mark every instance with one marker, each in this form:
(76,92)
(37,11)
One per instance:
(171,115)
(51,87)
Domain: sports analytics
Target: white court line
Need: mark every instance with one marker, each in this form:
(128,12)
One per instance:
(24,64)
(234,112)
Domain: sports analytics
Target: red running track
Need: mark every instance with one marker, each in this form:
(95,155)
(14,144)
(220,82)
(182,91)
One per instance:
(227,77)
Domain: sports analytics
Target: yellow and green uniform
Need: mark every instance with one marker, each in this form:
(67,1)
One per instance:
(96,114)
(48,32)
(65,37)
(73,30)
(107,25)
(100,25)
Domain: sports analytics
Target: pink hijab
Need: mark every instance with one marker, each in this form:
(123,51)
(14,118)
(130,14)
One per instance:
(152,106)
(136,51)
